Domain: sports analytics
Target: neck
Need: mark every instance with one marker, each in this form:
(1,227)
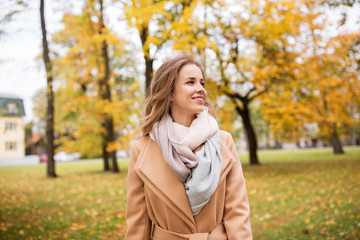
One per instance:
(183,119)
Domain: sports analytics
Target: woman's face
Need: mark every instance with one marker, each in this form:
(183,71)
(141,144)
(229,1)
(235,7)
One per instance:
(189,94)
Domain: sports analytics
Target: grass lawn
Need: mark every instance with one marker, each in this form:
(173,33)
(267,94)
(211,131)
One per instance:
(307,194)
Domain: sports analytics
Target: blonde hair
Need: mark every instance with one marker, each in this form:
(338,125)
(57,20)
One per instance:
(157,104)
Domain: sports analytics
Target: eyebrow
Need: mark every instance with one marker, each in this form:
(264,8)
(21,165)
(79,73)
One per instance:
(193,78)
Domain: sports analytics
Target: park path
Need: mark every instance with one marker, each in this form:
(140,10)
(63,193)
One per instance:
(23,161)
(34,160)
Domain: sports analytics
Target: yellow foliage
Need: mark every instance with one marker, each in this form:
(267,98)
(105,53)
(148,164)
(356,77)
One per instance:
(81,109)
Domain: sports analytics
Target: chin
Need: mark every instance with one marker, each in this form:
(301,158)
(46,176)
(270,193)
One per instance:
(199,110)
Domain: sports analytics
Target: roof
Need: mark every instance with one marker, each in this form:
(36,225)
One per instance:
(8,95)
(11,105)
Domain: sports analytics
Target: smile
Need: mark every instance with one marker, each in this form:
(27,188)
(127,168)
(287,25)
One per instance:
(199,99)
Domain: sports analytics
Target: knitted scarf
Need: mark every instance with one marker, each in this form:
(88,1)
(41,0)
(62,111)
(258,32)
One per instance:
(199,172)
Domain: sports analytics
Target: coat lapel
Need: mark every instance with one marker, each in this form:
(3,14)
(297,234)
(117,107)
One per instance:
(227,159)
(157,174)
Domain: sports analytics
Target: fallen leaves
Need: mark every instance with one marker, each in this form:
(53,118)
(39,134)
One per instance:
(317,199)
(82,202)
(299,200)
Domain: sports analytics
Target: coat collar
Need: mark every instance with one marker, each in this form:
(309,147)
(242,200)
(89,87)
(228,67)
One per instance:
(157,175)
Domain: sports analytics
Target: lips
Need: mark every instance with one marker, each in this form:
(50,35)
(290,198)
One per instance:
(199,99)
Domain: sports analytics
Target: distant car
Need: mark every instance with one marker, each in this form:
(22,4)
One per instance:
(121,154)
(43,158)
(66,157)
(61,157)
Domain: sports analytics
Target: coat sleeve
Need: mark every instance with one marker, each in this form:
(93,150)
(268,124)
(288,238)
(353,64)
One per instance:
(237,209)
(137,218)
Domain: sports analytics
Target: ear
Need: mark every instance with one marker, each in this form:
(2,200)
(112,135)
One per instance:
(171,98)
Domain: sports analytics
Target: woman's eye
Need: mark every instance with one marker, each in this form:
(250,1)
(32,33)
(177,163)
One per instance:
(190,82)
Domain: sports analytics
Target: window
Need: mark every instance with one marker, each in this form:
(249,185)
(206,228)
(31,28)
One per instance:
(10,146)
(11,107)
(10,125)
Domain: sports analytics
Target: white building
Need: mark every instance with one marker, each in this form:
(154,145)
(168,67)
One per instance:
(12,132)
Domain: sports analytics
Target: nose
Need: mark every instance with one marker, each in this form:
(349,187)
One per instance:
(200,88)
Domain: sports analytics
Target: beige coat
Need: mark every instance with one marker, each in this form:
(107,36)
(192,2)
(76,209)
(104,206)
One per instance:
(155,194)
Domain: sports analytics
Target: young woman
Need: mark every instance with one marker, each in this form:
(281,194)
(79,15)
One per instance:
(185,179)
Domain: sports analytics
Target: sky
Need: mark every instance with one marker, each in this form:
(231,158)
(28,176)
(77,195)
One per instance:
(20,74)
(22,71)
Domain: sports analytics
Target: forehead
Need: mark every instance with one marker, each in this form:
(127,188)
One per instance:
(190,71)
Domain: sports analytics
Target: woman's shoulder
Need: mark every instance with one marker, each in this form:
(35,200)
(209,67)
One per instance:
(139,142)
(225,135)
(137,145)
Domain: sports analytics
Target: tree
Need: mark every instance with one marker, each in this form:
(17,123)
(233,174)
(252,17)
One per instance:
(252,46)
(342,4)
(9,9)
(104,88)
(326,87)
(141,14)
(335,86)
(337,3)
(92,72)
(158,23)
(211,26)
(49,95)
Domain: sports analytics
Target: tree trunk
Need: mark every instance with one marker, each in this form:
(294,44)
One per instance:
(148,73)
(105,156)
(249,131)
(109,122)
(353,128)
(50,97)
(336,143)
(148,61)
(110,138)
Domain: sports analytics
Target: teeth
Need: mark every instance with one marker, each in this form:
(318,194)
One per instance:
(198,99)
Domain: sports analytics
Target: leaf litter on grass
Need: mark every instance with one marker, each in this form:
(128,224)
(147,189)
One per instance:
(288,200)
(313,199)
(76,205)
